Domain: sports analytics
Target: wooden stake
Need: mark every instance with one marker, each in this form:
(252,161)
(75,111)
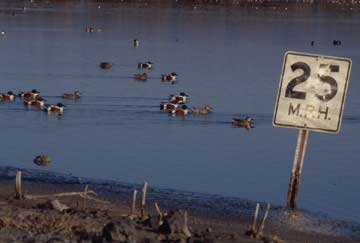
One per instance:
(158,209)
(260,230)
(143,200)
(253,225)
(18,192)
(297,168)
(185,227)
(133,205)
(85,195)
(161,215)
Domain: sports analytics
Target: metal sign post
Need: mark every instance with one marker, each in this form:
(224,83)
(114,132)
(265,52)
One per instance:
(311,97)
(297,168)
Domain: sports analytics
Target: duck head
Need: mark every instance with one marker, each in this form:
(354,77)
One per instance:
(59,105)
(184,94)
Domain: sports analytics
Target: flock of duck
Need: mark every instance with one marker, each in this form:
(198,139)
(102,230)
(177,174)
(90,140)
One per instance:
(176,104)
(33,99)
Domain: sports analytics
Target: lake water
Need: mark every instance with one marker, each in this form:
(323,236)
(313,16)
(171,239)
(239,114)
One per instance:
(229,58)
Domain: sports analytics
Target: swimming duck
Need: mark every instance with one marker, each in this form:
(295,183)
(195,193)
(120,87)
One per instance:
(181,98)
(30,94)
(168,106)
(89,29)
(136,42)
(141,77)
(145,65)
(170,77)
(9,96)
(58,108)
(246,123)
(72,96)
(105,65)
(38,102)
(337,42)
(42,160)
(180,111)
(202,110)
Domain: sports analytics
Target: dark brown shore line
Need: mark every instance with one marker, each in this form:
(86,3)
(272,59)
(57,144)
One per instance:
(86,220)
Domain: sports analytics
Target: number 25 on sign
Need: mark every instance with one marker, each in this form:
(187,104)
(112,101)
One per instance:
(311,96)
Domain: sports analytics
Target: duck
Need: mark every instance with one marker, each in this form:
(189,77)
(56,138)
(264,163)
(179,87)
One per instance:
(180,98)
(9,96)
(180,111)
(58,108)
(42,160)
(169,77)
(38,102)
(141,77)
(145,65)
(105,65)
(168,106)
(89,29)
(246,123)
(136,42)
(337,42)
(72,96)
(202,110)
(30,94)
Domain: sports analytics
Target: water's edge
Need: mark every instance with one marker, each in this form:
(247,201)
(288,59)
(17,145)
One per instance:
(205,204)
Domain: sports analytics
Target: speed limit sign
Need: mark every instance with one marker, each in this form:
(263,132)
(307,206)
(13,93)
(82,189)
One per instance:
(312,92)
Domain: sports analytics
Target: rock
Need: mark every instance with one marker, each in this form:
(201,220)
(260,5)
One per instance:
(42,160)
(106,65)
(175,222)
(59,206)
(54,204)
(119,231)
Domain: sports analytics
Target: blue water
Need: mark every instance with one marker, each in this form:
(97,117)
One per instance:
(229,58)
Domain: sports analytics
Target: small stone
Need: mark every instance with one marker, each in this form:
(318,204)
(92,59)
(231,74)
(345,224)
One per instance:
(119,231)
(175,222)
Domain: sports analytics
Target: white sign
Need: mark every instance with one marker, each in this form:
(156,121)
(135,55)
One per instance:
(312,92)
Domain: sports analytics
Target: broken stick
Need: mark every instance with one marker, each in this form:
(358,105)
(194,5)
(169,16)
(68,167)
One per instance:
(133,205)
(253,225)
(161,215)
(143,200)
(18,192)
(262,224)
(185,227)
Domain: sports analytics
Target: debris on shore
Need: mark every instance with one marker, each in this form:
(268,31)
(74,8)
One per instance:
(61,217)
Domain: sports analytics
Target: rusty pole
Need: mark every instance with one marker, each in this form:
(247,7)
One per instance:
(297,168)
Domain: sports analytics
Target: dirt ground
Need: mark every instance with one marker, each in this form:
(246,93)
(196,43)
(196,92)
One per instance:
(107,217)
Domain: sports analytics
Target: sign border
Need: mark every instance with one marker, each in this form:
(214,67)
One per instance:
(342,101)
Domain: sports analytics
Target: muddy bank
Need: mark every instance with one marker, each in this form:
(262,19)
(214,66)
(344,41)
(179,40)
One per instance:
(210,218)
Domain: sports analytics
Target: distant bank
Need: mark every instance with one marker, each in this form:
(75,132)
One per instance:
(260,2)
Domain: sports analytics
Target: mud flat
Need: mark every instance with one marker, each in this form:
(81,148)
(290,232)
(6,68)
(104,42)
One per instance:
(109,215)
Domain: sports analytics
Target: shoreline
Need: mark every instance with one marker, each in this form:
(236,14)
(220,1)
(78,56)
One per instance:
(208,211)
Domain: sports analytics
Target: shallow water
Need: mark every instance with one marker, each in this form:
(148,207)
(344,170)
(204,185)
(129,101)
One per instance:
(228,57)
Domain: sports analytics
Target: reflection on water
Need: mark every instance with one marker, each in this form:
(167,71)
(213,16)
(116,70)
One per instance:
(229,58)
